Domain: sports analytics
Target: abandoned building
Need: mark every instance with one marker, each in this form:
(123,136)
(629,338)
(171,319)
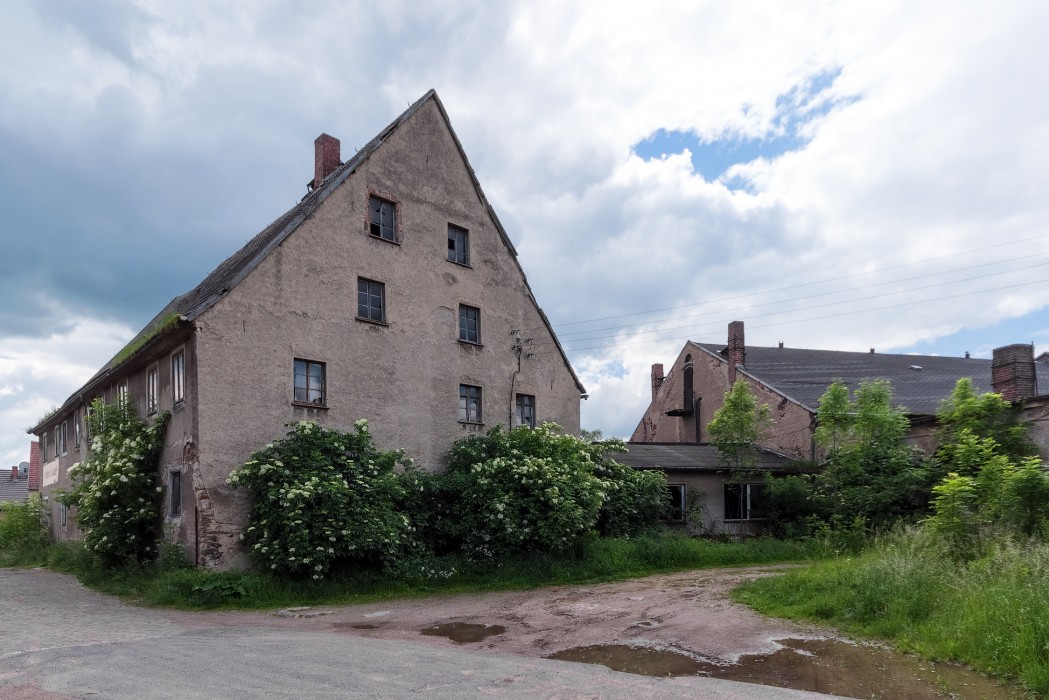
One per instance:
(390,292)
(790,382)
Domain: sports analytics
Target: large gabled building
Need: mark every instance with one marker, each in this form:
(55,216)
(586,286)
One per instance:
(390,292)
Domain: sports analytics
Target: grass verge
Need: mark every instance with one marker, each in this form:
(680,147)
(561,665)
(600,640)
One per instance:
(992,613)
(170,584)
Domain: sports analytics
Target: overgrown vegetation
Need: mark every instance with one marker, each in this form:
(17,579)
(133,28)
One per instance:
(115,491)
(165,323)
(24,540)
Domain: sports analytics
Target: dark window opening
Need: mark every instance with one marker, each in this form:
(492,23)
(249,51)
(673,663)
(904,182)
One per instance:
(676,506)
(175,502)
(383,220)
(458,245)
(309,382)
(744,501)
(688,398)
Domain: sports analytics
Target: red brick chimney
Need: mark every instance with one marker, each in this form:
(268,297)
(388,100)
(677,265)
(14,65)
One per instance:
(14,473)
(657,379)
(34,465)
(1012,372)
(326,158)
(737,349)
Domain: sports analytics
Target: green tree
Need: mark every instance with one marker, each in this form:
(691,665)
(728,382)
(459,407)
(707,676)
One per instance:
(735,431)
(983,416)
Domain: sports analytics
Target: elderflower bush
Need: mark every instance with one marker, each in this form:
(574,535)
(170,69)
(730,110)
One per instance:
(321,496)
(536,489)
(115,491)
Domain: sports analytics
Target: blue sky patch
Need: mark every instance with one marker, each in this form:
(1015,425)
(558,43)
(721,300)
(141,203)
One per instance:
(711,158)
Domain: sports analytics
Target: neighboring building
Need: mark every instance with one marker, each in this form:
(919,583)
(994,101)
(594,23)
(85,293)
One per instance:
(14,484)
(391,292)
(791,382)
(701,487)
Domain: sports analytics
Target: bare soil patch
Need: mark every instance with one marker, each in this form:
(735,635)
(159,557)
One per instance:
(674,624)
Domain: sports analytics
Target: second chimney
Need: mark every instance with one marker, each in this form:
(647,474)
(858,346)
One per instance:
(1012,372)
(326,158)
(657,379)
(737,349)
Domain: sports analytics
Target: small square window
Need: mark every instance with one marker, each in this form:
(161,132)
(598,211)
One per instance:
(151,390)
(371,300)
(469,324)
(309,382)
(524,411)
(175,494)
(469,403)
(383,219)
(458,245)
(178,377)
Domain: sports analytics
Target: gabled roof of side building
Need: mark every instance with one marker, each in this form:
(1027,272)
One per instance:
(679,456)
(236,267)
(919,382)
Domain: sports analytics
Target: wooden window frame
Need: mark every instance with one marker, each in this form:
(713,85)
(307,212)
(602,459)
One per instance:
(306,365)
(457,235)
(471,397)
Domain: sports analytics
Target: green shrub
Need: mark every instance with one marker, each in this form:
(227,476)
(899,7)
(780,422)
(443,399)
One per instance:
(115,491)
(23,534)
(320,498)
(635,500)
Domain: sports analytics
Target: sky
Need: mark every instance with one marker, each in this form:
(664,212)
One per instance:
(837,175)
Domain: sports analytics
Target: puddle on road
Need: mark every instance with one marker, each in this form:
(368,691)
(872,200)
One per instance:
(463,632)
(820,665)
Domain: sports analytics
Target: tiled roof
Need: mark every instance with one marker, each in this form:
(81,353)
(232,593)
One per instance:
(13,490)
(236,267)
(919,382)
(689,457)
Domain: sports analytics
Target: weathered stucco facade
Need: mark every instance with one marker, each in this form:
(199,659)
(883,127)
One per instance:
(291,295)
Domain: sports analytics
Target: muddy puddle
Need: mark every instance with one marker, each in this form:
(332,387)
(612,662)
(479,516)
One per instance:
(818,665)
(463,632)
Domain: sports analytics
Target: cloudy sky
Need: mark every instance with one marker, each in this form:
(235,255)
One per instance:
(838,175)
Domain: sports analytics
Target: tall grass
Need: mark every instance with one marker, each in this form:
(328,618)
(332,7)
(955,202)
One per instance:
(991,613)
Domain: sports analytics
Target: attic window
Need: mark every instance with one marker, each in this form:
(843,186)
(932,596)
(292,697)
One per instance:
(382,219)
(458,245)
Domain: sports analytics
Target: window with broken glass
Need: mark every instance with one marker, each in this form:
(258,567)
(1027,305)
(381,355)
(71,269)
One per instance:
(371,300)
(383,223)
(458,245)
(469,403)
(744,501)
(469,324)
(309,383)
(524,411)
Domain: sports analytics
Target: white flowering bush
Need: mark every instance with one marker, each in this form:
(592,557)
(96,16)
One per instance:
(115,489)
(534,489)
(321,497)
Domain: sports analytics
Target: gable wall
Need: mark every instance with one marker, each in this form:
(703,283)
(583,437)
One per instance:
(404,377)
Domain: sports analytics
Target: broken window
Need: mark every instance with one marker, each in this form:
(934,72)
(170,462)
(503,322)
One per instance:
(309,382)
(371,298)
(178,377)
(383,219)
(458,245)
(676,509)
(469,324)
(744,501)
(524,411)
(469,403)
(151,390)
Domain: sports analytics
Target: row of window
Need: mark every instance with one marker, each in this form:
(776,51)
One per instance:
(742,502)
(309,380)
(371,306)
(55,443)
(382,223)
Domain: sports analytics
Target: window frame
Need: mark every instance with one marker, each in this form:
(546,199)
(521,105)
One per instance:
(369,297)
(122,393)
(76,430)
(61,438)
(152,389)
(394,210)
(518,405)
(464,330)
(747,514)
(175,495)
(471,396)
(307,364)
(455,233)
(678,500)
(178,377)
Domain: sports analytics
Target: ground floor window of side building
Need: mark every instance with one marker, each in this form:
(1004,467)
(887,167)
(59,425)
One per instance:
(744,501)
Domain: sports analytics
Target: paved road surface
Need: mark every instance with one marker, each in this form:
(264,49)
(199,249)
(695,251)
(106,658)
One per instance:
(60,640)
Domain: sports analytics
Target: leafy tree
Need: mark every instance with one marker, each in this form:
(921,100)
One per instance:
(115,490)
(870,474)
(735,431)
(984,416)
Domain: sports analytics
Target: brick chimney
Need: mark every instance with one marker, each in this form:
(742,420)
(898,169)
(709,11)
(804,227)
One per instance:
(326,158)
(34,465)
(737,349)
(14,473)
(657,379)
(1012,372)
